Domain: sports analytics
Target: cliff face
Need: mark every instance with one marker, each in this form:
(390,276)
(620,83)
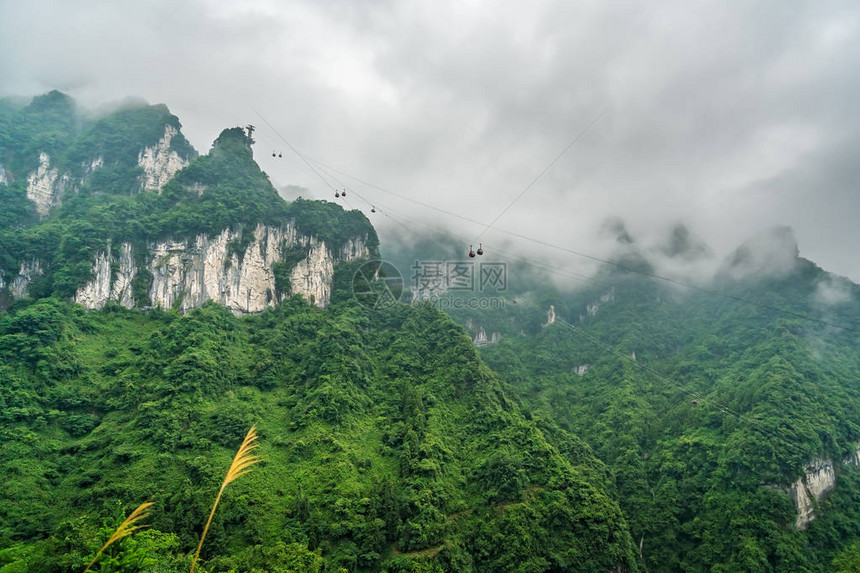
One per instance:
(45,186)
(189,273)
(818,480)
(230,238)
(18,284)
(159,162)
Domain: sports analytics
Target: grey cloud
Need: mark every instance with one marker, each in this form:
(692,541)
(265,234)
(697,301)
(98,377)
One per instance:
(729,116)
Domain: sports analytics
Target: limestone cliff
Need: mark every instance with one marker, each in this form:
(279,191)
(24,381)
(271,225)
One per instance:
(186,274)
(45,185)
(481,339)
(19,283)
(159,162)
(817,481)
(853,459)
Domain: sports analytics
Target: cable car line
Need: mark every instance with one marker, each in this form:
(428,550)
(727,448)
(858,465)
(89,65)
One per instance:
(619,266)
(545,169)
(696,397)
(294,149)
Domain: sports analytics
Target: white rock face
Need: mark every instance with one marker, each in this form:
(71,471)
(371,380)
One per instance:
(45,186)
(606,298)
(354,249)
(159,162)
(105,287)
(90,168)
(481,338)
(854,458)
(20,282)
(190,273)
(550,315)
(312,277)
(3,177)
(818,480)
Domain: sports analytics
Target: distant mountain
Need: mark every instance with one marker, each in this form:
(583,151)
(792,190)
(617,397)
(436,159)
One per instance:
(728,412)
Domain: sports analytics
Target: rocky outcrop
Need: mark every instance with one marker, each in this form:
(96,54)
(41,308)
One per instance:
(606,298)
(481,339)
(817,481)
(45,186)
(581,369)
(312,277)
(550,315)
(110,282)
(159,162)
(853,459)
(186,274)
(3,177)
(18,285)
(90,168)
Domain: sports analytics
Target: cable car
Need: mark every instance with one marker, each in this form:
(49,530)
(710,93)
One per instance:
(343,192)
(694,402)
(480,249)
(336,194)
(373,209)
(279,155)
(273,154)
(471,252)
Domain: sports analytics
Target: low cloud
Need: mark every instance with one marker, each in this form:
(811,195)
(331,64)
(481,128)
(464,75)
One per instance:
(832,291)
(769,254)
(729,116)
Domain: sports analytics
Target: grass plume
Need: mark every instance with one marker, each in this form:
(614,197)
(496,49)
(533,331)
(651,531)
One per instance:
(125,528)
(241,465)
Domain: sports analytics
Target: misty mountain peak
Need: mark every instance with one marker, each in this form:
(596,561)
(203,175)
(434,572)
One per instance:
(682,244)
(614,228)
(770,254)
(52,101)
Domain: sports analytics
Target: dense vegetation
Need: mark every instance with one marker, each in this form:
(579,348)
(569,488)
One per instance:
(223,189)
(650,427)
(386,445)
(704,485)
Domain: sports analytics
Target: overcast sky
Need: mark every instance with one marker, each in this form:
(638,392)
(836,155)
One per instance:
(729,116)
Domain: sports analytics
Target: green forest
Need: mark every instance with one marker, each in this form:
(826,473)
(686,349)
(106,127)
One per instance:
(649,427)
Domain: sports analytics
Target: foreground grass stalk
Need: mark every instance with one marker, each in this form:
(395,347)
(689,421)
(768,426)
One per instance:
(125,528)
(241,465)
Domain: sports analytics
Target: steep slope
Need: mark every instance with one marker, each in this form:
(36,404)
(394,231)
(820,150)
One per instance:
(155,304)
(729,422)
(386,445)
(130,214)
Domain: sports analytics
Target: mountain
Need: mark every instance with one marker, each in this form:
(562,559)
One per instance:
(726,410)
(121,208)
(157,304)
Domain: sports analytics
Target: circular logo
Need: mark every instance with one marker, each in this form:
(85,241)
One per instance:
(377,285)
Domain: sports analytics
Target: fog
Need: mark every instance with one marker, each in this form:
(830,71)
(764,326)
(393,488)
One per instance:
(729,117)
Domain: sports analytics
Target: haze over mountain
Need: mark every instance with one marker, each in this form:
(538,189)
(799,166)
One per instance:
(676,411)
(729,117)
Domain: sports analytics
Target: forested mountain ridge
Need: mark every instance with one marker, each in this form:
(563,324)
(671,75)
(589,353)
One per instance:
(726,412)
(121,208)
(638,422)
(386,444)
